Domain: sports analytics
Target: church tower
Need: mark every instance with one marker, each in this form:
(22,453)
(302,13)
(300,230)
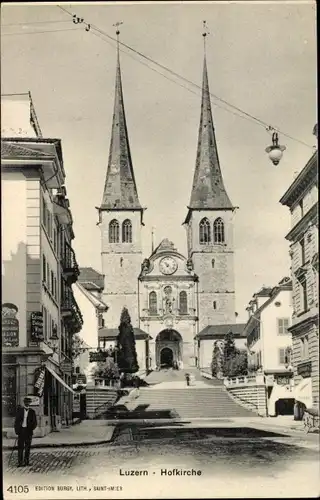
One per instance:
(209,225)
(121,221)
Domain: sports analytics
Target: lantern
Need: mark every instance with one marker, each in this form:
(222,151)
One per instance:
(275,151)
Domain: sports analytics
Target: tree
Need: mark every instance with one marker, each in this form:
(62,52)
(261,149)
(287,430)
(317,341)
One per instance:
(107,370)
(235,362)
(126,345)
(77,346)
(217,359)
(237,365)
(229,346)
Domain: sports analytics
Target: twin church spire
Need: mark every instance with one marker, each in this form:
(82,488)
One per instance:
(120,190)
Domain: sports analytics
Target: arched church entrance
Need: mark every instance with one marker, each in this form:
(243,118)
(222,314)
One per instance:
(168,349)
(166,357)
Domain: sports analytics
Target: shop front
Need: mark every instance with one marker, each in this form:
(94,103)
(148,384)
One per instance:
(26,372)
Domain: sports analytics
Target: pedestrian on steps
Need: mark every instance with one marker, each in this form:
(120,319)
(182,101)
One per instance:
(24,425)
(187,375)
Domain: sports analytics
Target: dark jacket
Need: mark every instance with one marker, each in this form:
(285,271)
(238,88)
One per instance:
(31,420)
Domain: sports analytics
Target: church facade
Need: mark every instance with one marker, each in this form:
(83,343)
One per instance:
(172,298)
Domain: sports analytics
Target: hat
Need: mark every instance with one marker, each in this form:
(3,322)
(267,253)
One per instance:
(27,400)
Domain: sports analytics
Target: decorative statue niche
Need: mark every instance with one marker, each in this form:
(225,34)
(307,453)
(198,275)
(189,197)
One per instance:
(168,300)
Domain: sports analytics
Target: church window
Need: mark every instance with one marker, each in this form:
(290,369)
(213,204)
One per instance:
(218,230)
(204,232)
(127,231)
(153,303)
(183,302)
(114,231)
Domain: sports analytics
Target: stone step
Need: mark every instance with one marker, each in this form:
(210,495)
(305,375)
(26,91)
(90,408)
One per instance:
(213,402)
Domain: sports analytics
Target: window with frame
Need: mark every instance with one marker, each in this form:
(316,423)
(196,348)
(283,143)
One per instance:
(100,320)
(283,325)
(127,231)
(52,283)
(301,208)
(204,232)
(303,251)
(304,293)
(44,212)
(48,324)
(44,269)
(114,231)
(282,356)
(153,307)
(49,224)
(48,276)
(183,302)
(304,348)
(55,246)
(218,231)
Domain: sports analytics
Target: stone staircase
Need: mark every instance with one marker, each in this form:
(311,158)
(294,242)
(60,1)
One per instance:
(211,402)
(172,398)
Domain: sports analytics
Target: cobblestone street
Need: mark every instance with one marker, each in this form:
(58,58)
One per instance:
(254,457)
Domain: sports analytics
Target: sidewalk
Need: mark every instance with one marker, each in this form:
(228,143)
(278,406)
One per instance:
(85,433)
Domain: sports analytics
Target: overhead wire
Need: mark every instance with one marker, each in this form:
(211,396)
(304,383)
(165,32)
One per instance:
(33,23)
(39,32)
(164,76)
(244,114)
(95,30)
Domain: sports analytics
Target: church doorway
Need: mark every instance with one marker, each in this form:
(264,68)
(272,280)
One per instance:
(166,358)
(169,349)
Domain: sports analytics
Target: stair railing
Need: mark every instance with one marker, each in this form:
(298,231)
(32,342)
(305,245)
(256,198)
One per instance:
(245,402)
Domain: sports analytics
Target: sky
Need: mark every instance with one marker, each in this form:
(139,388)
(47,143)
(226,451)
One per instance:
(261,58)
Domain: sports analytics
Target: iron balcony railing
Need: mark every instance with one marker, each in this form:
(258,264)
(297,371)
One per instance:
(70,309)
(69,263)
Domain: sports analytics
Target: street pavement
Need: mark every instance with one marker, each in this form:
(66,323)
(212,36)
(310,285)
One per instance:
(87,432)
(233,461)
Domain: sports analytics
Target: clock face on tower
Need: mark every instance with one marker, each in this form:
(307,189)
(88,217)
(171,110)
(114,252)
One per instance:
(168,265)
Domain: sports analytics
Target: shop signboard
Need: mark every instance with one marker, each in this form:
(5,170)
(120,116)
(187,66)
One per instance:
(36,326)
(39,381)
(9,325)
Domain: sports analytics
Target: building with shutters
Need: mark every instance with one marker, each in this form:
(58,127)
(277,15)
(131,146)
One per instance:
(39,312)
(302,200)
(269,344)
(172,298)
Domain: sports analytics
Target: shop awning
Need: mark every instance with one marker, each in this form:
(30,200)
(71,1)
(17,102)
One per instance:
(62,382)
(303,392)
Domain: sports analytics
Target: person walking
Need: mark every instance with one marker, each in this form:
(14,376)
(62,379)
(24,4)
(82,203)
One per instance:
(24,425)
(187,375)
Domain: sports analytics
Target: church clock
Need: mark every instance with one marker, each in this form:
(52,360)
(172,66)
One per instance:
(168,265)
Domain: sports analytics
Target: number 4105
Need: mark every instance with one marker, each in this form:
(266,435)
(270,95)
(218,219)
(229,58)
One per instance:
(18,489)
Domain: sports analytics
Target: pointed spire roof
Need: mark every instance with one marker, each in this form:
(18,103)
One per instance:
(208,191)
(120,190)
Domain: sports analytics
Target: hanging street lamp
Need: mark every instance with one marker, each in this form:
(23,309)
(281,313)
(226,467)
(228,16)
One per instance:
(275,151)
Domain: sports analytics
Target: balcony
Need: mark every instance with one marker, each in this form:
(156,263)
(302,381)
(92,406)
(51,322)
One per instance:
(304,369)
(70,311)
(69,264)
(61,207)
